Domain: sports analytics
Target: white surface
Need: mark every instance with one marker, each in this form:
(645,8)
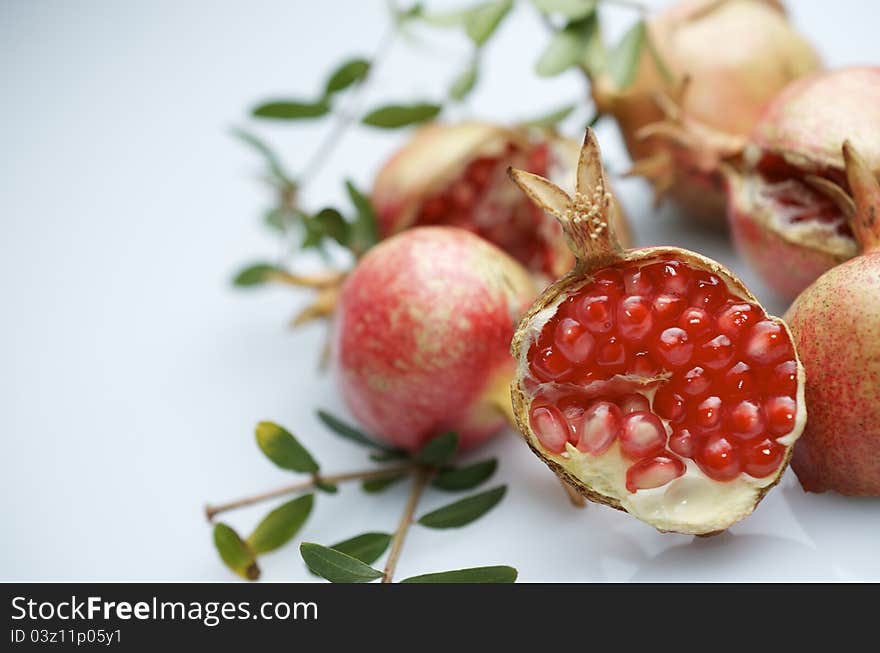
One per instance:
(132,374)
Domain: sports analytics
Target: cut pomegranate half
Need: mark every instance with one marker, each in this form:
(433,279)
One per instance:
(690,442)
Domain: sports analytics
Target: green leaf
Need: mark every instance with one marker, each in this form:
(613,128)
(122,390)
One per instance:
(483,20)
(235,553)
(347,431)
(292,110)
(367,547)
(439,451)
(624,60)
(498,574)
(280,525)
(275,167)
(391,454)
(568,47)
(551,119)
(282,218)
(393,116)
(464,83)
(324,486)
(364,229)
(346,75)
(335,566)
(571,9)
(283,449)
(330,224)
(455,18)
(465,511)
(375,485)
(255,275)
(465,478)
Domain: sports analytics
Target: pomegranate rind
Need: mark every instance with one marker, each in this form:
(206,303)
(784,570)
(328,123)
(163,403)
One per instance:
(716,509)
(421,333)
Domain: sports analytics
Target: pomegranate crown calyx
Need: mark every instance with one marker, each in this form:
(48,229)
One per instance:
(866,193)
(586,217)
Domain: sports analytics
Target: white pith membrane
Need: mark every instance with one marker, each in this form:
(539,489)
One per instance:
(692,503)
(759,196)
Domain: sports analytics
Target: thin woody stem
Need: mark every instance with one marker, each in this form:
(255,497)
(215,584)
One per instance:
(419,482)
(366,475)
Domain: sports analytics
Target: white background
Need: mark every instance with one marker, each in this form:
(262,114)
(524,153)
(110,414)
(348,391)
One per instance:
(132,374)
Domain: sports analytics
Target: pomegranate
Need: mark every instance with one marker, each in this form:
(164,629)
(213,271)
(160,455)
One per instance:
(421,336)
(455,174)
(787,212)
(737,55)
(651,379)
(836,327)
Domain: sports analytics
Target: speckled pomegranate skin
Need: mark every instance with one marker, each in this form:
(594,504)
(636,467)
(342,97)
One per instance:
(836,327)
(422,334)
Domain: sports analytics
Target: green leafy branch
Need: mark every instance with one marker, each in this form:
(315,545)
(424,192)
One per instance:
(350,559)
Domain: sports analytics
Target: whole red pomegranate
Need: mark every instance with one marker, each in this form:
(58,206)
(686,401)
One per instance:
(836,327)
(737,55)
(787,212)
(421,336)
(651,379)
(455,174)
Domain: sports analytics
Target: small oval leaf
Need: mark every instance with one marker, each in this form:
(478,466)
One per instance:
(235,553)
(255,275)
(439,451)
(281,525)
(292,110)
(393,116)
(624,60)
(364,229)
(464,83)
(347,74)
(283,449)
(375,485)
(565,49)
(324,486)
(330,223)
(367,547)
(483,20)
(348,431)
(571,9)
(465,511)
(465,478)
(335,566)
(497,574)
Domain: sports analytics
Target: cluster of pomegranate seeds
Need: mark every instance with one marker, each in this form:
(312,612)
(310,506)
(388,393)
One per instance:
(481,201)
(724,375)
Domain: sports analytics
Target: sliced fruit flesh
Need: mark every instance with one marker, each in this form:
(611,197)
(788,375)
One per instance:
(713,381)
(785,188)
(482,200)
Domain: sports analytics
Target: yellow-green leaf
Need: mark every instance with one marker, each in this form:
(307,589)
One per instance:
(283,449)
(347,74)
(235,553)
(464,83)
(393,116)
(254,275)
(571,9)
(483,20)
(624,60)
(281,525)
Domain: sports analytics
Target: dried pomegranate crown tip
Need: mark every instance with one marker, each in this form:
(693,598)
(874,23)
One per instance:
(585,218)
(866,193)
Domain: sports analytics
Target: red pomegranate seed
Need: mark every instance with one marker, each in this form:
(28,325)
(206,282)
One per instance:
(683,442)
(674,347)
(669,277)
(611,355)
(709,292)
(781,413)
(739,380)
(668,307)
(551,365)
(717,353)
(573,409)
(696,321)
(637,283)
(668,404)
(550,428)
(634,319)
(634,402)
(643,365)
(744,420)
(783,379)
(600,427)
(596,312)
(608,281)
(735,318)
(653,472)
(573,340)
(708,413)
(696,382)
(767,343)
(642,435)
(718,458)
(480,170)
(762,458)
